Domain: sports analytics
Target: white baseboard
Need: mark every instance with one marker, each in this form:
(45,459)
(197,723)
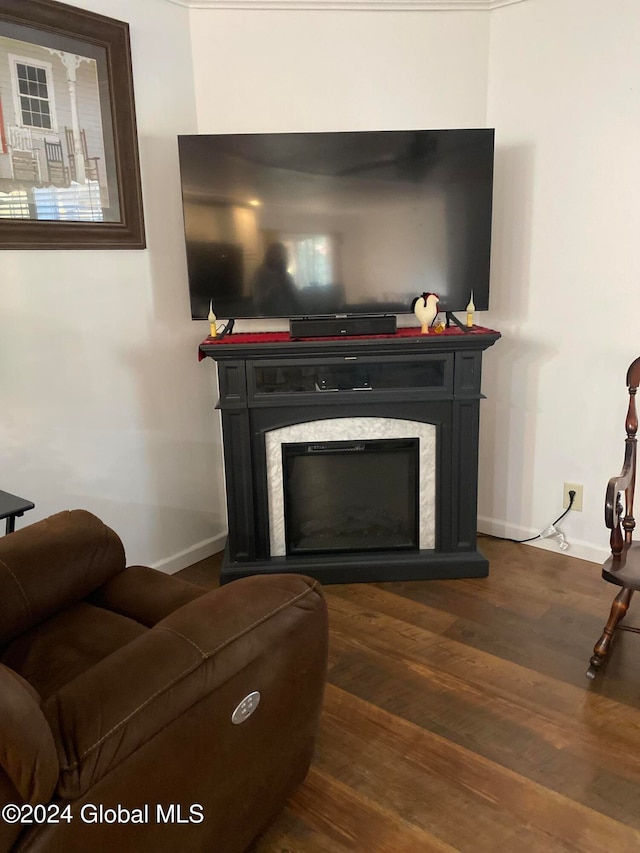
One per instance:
(191,555)
(581,550)
(490,526)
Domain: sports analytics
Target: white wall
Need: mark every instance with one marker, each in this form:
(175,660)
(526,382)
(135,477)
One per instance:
(565,101)
(259,71)
(271,70)
(560,89)
(105,406)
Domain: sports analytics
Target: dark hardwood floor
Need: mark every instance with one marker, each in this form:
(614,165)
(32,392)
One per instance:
(458,716)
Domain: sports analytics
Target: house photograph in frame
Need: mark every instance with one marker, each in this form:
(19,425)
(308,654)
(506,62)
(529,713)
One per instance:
(69,168)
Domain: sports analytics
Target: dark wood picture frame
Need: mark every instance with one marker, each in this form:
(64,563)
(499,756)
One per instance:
(109,39)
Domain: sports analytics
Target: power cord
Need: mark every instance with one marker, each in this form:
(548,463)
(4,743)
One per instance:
(550,531)
(226,330)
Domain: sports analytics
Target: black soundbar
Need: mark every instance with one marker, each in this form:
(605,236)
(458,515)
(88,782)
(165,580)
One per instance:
(337,327)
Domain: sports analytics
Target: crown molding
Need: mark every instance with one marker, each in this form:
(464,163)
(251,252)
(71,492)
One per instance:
(364,5)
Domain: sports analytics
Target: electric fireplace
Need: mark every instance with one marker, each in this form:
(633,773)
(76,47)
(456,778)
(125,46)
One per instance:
(351,459)
(349,496)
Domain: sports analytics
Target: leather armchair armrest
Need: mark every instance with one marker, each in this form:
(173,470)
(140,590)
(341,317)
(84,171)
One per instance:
(27,750)
(110,711)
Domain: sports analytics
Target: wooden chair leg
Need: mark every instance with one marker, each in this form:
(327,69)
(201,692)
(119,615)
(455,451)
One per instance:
(601,649)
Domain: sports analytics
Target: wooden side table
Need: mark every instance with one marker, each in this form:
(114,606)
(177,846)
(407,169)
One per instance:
(11,507)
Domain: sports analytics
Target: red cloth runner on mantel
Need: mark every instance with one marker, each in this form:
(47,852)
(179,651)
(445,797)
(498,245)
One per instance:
(284,337)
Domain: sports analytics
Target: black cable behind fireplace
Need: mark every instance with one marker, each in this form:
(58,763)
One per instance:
(351,496)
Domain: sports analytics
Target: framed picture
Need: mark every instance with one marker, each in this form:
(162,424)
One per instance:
(69,167)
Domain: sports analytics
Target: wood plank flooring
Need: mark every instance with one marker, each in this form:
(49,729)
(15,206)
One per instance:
(458,717)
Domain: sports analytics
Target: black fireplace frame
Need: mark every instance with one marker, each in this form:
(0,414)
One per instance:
(452,406)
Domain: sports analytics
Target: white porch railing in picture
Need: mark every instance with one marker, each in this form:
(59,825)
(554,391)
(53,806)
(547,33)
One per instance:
(20,138)
(25,162)
(14,205)
(76,203)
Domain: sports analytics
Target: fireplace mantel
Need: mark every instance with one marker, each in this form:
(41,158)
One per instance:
(269,381)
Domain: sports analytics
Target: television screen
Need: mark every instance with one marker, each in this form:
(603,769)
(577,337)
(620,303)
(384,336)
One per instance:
(345,223)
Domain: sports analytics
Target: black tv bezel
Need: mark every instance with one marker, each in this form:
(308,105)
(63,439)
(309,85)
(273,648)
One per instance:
(482,303)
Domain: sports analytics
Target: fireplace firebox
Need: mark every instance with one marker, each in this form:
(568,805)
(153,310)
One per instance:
(352,459)
(351,496)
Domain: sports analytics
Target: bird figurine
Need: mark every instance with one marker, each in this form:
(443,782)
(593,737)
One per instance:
(425,308)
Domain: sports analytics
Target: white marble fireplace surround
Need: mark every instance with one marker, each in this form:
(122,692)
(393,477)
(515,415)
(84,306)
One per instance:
(352,429)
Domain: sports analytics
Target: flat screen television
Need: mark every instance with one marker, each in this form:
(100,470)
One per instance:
(334,224)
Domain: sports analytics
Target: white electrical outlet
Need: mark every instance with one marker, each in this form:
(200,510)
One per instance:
(577,502)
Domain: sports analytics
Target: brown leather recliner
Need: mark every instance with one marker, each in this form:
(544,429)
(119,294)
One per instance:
(117,691)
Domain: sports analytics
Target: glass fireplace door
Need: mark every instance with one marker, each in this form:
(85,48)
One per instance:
(351,496)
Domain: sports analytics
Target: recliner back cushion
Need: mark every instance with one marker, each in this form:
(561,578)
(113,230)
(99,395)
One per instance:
(51,565)
(57,650)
